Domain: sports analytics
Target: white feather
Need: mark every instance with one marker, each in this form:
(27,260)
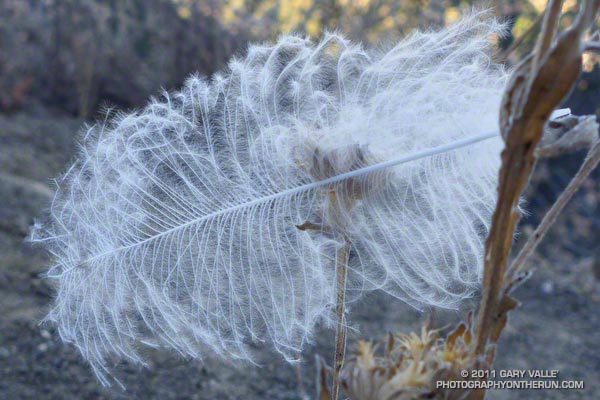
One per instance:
(176,226)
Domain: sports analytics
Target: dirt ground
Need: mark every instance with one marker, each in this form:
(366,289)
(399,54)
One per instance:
(557,326)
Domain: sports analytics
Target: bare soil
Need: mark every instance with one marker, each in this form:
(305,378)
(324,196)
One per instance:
(557,326)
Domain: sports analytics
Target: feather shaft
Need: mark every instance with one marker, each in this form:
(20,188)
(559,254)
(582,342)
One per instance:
(288,192)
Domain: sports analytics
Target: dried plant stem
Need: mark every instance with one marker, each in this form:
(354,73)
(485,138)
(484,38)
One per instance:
(341,272)
(550,22)
(301,388)
(593,44)
(590,162)
(517,161)
(537,86)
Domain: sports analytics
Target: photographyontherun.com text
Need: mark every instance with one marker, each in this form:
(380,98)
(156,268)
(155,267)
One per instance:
(510,379)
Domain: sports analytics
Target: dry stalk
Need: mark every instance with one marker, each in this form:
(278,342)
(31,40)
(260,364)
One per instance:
(536,88)
(549,27)
(341,200)
(341,272)
(517,268)
(322,371)
(592,46)
(568,134)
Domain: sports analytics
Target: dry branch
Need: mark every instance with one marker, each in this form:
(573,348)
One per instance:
(568,134)
(537,87)
(517,268)
(341,272)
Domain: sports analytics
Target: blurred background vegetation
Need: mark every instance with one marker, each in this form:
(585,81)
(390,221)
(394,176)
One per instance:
(74,56)
(64,61)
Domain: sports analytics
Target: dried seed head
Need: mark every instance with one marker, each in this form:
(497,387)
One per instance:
(411,368)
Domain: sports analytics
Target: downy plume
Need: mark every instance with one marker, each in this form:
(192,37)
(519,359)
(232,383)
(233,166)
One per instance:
(211,218)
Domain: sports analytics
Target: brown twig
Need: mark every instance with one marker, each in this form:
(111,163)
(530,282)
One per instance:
(593,43)
(341,272)
(307,225)
(536,88)
(591,46)
(517,268)
(299,378)
(322,391)
(568,134)
(549,25)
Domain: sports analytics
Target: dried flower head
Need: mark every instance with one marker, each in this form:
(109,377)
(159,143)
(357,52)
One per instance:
(411,366)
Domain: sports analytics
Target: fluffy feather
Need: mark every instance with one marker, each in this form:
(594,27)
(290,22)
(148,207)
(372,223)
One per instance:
(176,226)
